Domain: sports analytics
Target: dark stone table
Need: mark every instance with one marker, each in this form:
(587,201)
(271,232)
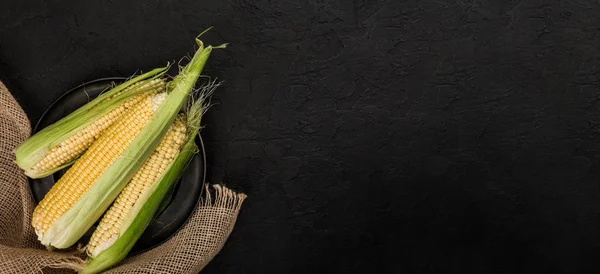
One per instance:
(371,136)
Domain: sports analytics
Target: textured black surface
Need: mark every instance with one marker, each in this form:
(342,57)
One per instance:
(393,136)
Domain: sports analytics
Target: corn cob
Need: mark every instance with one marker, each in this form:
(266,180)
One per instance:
(88,188)
(60,144)
(127,218)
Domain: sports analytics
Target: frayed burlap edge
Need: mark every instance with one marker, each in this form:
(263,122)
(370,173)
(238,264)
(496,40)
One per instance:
(196,244)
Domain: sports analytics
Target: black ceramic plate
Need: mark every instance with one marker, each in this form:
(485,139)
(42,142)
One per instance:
(185,196)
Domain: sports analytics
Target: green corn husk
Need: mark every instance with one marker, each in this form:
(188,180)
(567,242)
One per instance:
(150,201)
(36,147)
(76,221)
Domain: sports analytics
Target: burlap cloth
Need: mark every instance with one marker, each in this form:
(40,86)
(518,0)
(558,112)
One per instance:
(189,251)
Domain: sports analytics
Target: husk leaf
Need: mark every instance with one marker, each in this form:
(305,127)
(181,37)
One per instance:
(153,200)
